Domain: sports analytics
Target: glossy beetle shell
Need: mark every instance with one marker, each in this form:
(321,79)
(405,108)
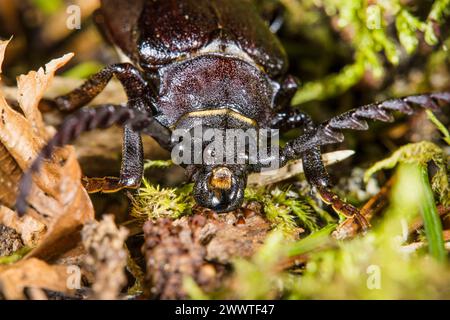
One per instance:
(154,33)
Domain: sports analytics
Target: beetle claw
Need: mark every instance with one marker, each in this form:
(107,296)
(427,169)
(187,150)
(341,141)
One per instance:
(341,207)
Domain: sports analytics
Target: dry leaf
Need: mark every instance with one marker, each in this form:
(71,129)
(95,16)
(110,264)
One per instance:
(32,273)
(29,227)
(58,202)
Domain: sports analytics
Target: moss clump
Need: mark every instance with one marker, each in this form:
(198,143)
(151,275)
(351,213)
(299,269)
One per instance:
(421,153)
(367,29)
(286,209)
(153,202)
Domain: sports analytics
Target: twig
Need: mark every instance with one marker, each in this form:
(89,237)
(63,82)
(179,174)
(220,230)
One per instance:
(418,222)
(349,228)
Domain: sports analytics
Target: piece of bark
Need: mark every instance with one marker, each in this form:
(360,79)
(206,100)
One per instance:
(10,241)
(199,246)
(234,236)
(174,251)
(106,257)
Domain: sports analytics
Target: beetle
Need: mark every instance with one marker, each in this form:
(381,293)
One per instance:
(214,60)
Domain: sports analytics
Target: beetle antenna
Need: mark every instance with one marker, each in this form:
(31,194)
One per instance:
(329,132)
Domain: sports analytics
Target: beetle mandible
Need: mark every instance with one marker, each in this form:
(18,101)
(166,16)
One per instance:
(213,60)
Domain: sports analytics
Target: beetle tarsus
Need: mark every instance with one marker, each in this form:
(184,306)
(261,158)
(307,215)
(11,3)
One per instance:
(107,184)
(341,207)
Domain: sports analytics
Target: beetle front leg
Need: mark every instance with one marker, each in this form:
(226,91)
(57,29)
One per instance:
(137,91)
(88,119)
(132,168)
(317,176)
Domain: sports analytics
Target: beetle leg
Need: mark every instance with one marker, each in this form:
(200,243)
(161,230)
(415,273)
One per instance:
(88,119)
(286,92)
(132,168)
(317,176)
(292,119)
(314,169)
(131,79)
(137,89)
(104,185)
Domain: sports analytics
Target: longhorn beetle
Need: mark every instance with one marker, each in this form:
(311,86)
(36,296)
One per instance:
(210,60)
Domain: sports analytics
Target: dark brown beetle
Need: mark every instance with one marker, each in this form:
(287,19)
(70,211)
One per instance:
(211,59)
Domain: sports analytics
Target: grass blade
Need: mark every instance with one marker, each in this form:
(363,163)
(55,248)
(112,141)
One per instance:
(431,219)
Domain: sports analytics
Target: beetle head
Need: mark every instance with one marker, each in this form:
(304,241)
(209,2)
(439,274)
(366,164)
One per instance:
(220,188)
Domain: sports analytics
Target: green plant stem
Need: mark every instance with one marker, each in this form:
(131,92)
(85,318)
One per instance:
(431,219)
(311,242)
(440,126)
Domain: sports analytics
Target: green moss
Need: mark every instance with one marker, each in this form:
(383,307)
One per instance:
(157,164)
(367,26)
(153,202)
(286,209)
(192,289)
(48,7)
(16,256)
(420,153)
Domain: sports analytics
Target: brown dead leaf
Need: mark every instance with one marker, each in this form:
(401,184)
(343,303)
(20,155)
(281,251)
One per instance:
(31,89)
(29,227)
(34,274)
(58,202)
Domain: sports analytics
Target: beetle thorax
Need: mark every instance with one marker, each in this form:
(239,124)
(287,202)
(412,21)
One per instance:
(214,82)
